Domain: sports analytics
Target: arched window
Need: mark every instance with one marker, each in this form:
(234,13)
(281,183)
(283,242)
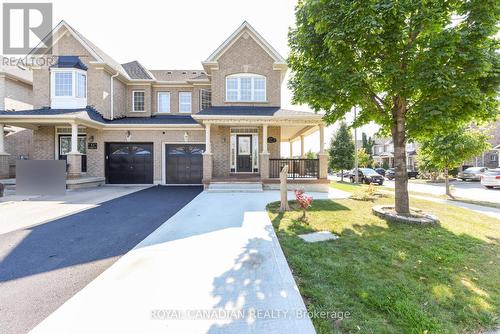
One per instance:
(245,87)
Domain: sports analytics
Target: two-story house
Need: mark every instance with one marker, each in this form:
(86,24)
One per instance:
(126,124)
(383,153)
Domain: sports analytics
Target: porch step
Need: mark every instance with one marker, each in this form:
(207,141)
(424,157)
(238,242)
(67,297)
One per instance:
(230,187)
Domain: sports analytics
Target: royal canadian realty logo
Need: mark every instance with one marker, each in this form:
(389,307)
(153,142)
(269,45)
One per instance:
(27,28)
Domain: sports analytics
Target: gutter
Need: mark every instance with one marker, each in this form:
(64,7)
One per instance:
(112,111)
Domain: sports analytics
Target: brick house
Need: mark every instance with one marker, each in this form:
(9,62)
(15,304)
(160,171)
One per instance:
(122,123)
(383,153)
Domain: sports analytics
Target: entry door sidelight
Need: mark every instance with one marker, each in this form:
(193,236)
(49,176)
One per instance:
(244,153)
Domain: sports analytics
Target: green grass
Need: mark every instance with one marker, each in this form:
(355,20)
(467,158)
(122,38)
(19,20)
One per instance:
(395,278)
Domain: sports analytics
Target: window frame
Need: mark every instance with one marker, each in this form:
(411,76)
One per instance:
(202,90)
(190,102)
(143,102)
(158,102)
(75,99)
(238,77)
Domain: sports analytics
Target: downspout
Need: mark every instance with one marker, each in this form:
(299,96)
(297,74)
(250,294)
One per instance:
(112,95)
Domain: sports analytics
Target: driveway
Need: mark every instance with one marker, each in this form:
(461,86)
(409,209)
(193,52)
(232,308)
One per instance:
(43,265)
(214,267)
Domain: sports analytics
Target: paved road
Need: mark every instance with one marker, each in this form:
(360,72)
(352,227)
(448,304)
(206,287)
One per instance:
(44,265)
(469,190)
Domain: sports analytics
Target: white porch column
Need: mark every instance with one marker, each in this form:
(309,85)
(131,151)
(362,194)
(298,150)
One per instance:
(74,138)
(302,151)
(208,148)
(291,149)
(264,139)
(2,147)
(321,138)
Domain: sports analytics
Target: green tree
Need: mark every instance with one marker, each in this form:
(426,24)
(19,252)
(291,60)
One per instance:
(341,150)
(367,144)
(364,159)
(450,150)
(414,67)
(311,155)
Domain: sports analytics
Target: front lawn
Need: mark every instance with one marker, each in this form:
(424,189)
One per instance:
(395,278)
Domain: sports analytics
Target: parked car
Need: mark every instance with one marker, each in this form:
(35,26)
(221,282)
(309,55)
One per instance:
(472,173)
(491,178)
(391,174)
(346,173)
(381,171)
(367,175)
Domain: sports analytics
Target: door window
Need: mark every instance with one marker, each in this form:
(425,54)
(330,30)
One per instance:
(65,145)
(243,145)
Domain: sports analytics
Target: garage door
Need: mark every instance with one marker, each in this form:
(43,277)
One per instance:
(129,163)
(184,163)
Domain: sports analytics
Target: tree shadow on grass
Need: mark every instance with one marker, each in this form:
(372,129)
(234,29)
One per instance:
(399,278)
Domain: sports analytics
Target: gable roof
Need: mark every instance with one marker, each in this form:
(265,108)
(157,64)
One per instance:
(245,27)
(136,71)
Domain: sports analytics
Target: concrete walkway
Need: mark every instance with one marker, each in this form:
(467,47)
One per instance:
(218,254)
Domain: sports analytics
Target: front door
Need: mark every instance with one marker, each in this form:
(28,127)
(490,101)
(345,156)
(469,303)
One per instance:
(65,148)
(244,153)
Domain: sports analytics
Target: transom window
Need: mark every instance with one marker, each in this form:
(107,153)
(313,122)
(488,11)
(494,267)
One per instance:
(245,87)
(184,101)
(138,98)
(163,102)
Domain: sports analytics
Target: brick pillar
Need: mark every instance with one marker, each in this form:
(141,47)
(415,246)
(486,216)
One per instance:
(264,166)
(323,165)
(207,167)
(75,165)
(4,165)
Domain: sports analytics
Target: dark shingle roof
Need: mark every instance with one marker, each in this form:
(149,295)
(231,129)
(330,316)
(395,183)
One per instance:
(179,75)
(135,70)
(239,111)
(95,116)
(70,62)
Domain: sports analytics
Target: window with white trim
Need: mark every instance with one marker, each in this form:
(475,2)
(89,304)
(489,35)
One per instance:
(163,102)
(63,83)
(184,101)
(138,98)
(245,87)
(81,85)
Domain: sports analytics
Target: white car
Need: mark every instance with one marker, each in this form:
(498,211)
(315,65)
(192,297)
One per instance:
(491,178)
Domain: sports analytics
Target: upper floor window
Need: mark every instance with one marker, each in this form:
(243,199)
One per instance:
(205,99)
(184,101)
(138,98)
(245,87)
(163,102)
(69,88)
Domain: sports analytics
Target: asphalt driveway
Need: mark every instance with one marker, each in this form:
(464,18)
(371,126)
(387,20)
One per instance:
(42,266)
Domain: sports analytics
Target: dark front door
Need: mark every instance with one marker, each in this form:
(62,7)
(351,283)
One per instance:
(65,147)
(244,153)
(129,163)
(184,163)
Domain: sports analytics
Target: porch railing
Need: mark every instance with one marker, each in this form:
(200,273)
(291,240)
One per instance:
(297,168)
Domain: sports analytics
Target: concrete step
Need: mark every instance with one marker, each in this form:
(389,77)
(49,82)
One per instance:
(229,187)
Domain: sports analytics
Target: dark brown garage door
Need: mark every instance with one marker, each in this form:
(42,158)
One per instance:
(184,163)
(129,163)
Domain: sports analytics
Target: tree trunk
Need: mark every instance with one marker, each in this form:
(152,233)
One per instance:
(284,190)
(402,202)
(341,175)
(447,183)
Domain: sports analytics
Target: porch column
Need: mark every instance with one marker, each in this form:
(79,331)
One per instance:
(4,156)
(264,156)
(322,156)
(207,158)
(302,151)
(291,149)
(74,158)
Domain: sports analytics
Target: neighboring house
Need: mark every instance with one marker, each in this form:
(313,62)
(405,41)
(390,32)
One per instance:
(383,153)
(16,93)
(123,123)
(491,158)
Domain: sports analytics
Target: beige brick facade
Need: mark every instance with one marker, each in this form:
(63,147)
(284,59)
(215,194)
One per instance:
(44,143)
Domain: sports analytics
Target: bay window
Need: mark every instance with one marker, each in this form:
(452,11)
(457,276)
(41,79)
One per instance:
(68,88)
(245,87)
